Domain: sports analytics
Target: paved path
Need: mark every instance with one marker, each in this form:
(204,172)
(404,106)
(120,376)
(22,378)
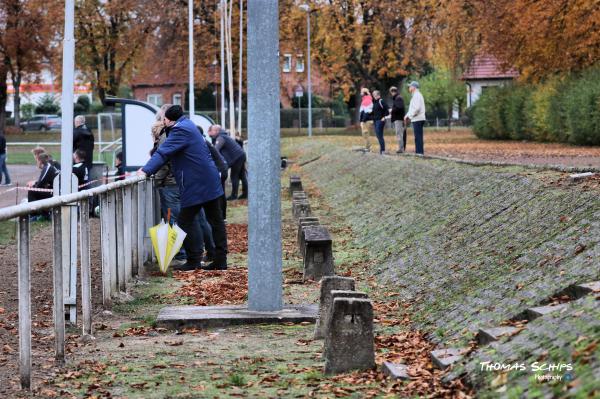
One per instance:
(20,174)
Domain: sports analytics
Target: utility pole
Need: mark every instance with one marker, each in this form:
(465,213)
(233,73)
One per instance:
(223,119)
(192,105)
(306,8)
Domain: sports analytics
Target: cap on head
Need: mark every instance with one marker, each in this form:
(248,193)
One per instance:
(174,112)
(414,84)
(393,89)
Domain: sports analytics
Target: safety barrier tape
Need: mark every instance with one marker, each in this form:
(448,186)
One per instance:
(49,190)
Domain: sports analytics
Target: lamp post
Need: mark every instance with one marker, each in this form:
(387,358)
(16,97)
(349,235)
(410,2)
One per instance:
(191,54)
(306,8)
(222,9)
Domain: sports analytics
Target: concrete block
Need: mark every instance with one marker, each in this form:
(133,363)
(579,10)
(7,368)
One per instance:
(488,335)
(295,184)
(444,358)
(534,313)
(581,290)
(396,371)
(349,343)
(301,225)
(299,195)
(318,253)
(580,176)
(329,284)
(301,208)
(327,308)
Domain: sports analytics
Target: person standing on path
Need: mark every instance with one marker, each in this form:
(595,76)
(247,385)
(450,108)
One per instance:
(398,118)
(83,139)
(380,111)
(366,115)
(234,156)
(199,186)
(3,168)
(416,115)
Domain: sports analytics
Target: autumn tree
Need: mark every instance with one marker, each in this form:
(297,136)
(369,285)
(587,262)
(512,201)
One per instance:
(110,36)
(25,50)
(367,43)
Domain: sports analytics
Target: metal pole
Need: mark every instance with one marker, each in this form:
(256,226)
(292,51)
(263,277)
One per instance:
(241,67)
(127,238)
(223,119)
(57,274)
(105,247)
(309,80)
(135,230)
(264,212)
(121,272)
(68,76)
(112,241)
(24,278)
(191,54)
(86,278)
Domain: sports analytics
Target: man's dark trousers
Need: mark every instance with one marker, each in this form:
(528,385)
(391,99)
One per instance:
(187,222)
(238,172)
(418,130)
(379,126)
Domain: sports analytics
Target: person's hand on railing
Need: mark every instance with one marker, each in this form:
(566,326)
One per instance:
(140,172)
(30,183)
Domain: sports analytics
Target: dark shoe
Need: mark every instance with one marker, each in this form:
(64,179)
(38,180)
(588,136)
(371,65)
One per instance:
(187,267)
(208,258)
(215,266)
(231,198)
(243,196)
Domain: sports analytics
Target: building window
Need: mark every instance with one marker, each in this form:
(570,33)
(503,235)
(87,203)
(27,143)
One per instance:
(299,63)
(155,99)
(176,99)
(287,63)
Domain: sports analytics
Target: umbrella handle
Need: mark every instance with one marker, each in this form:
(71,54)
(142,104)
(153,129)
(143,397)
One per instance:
(169,215)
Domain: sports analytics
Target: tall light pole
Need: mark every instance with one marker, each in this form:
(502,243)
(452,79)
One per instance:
(306,8)
(68,73)
(223,119)
(191,55)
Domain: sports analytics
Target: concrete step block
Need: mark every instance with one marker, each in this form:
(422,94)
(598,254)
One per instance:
(489,335)
(534,313)
(444,358)
(581,290)
(396,371)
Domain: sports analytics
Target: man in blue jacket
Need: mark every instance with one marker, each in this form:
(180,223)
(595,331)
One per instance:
(199,186)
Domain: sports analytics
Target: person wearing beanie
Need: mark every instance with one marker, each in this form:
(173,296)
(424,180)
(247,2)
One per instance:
(199,185)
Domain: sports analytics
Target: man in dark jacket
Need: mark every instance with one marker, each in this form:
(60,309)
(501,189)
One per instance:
(235,157)
(199,186)
(80,169)
(83,140)
(380,111)
(398,118)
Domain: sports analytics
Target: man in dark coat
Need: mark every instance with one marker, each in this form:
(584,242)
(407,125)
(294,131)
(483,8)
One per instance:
(83,140)
(398,118)
(234,156)
(199,186)
(80,169)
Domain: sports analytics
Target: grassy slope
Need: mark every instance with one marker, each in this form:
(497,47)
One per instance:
(472,247)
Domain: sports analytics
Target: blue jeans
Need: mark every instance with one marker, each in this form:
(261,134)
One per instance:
(4,169)
(169,199)
(418,130)
(379,125)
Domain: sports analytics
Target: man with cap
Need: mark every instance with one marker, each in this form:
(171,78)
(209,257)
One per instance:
(199,186)
(416,115)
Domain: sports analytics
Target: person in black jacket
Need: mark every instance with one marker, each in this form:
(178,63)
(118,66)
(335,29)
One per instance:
(45,181)
(3,168)
(397,115)
(380,111)
(235,157)
(80,169)
(83,140)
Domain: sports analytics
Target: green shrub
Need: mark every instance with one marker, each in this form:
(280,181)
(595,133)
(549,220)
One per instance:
(583,109)
(513,111)
(487,115)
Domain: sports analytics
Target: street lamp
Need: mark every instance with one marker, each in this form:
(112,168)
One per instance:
(306,7)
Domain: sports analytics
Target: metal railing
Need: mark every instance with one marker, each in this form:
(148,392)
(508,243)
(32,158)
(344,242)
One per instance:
(126,213)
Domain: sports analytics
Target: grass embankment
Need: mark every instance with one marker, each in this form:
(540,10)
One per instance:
(470,247)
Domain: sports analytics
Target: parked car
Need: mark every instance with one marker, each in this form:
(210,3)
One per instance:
(42,122)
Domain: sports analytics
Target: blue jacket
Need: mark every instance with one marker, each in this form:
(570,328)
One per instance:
(192,164)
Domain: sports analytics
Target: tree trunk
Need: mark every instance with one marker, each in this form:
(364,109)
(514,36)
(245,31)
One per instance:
(357,101)
(16,81)
(3,96)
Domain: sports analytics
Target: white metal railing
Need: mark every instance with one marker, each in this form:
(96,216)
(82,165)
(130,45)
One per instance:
(126,213)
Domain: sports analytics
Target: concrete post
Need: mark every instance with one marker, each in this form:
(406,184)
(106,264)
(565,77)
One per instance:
(105,247)
(86,278)
(57,274)
(24,273)
(264,210)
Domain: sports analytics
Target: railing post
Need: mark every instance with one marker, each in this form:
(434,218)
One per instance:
(141,226)
(120,240)
(112,241)
(59,307)
(126,222)
(105,245)
(86,279)
(134,229)
(148,219)
(24,278)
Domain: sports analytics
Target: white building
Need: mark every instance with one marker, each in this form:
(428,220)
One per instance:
(32,91)
(483,72)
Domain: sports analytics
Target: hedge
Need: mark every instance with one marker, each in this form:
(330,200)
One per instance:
(560,109)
